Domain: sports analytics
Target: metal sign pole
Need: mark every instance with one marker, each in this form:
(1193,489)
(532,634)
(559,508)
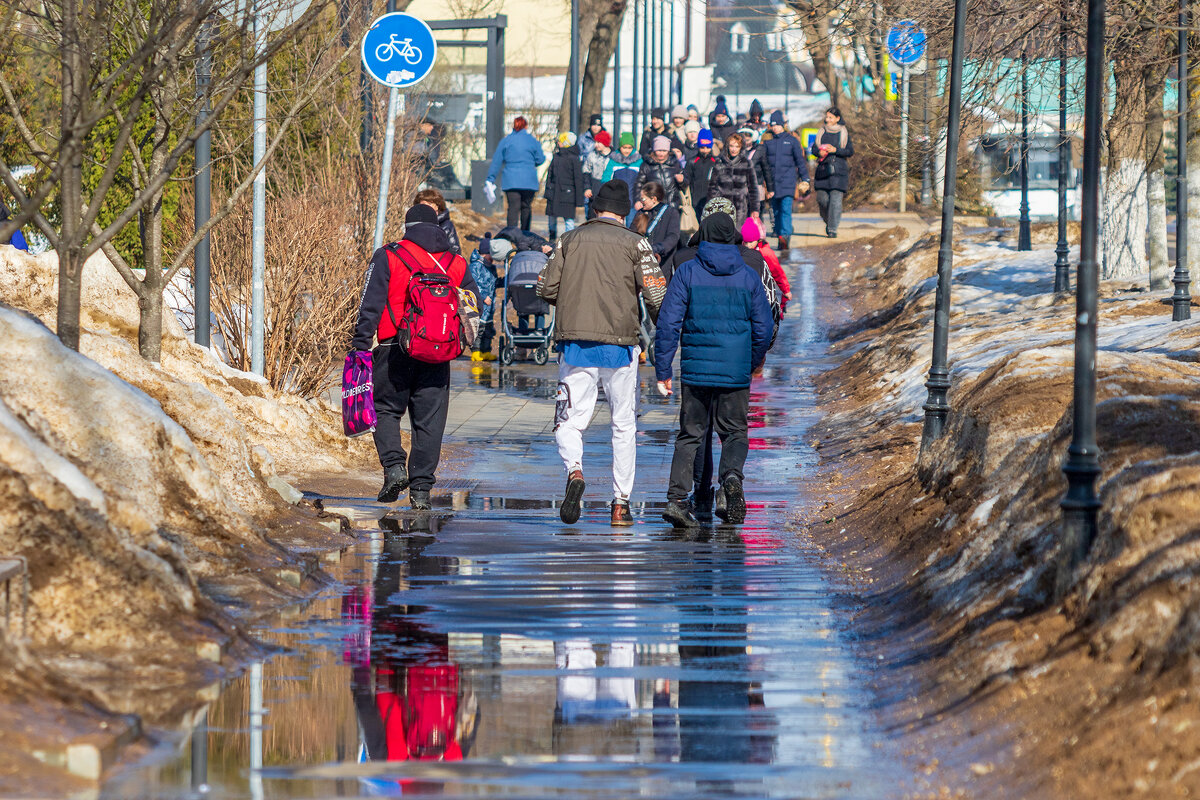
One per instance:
(904,139)
(385,173)
(201,278)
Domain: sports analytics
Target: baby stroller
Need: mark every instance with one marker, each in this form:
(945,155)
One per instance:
(535,316)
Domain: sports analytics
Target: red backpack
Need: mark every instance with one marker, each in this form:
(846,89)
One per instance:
(429,328)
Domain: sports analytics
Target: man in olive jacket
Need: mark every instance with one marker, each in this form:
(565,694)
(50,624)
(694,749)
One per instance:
(594,277)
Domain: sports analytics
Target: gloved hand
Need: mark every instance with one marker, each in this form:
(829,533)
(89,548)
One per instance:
(489,191)
(664,388)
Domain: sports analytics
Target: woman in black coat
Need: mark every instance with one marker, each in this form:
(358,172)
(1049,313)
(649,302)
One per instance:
(832,177)
(733,178)
(564,185)
(658,221)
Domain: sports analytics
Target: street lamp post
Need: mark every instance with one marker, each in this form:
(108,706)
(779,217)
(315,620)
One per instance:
(1024,239)
(1062,264)
(1181,301)
(574,105)
(936,407)
(926,150)
(633,75)
(1082,467)
(203,190)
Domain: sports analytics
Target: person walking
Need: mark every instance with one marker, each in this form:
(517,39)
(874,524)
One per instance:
(593,169)
(762,176)
(832,175)
(733,178)
(702,478)
(663,170)
(624,165)
(658,127)
(435,200)
(697,173)
(719,121)
(657,220)
(518,155)
(587,141)
(784,158)
(484,273)
(716,312)
(593,278)
(754,119)
(691,141)
(564,185)
(404,384)
(754,236)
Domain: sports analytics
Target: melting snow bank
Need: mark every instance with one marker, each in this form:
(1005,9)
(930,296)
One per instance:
(148,502)
(1023,696)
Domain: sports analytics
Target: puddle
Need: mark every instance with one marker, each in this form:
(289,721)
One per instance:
(485,649)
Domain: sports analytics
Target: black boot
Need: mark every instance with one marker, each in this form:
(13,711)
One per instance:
(680,514)
(395,481)
(733,509)
(702,501)
(419,499)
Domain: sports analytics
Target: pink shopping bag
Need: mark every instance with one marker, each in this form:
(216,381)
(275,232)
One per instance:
(358,395)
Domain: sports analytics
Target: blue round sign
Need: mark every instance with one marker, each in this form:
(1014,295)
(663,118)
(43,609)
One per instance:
(906,42)
(399,50)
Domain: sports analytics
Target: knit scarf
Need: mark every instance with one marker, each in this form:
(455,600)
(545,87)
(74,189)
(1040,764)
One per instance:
(840,130)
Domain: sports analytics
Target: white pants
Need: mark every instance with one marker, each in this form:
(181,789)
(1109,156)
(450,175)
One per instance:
(576,400)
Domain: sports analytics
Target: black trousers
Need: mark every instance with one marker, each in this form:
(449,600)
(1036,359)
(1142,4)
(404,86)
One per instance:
(520,207)
(728,409)
(405,385)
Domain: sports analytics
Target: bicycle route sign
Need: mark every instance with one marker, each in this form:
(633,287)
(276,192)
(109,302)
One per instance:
(399,50)
(906,42)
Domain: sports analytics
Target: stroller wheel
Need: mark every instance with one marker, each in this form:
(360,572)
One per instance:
(541,356)
(507,354)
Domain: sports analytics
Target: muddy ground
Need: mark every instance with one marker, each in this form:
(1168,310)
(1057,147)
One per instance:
(1006,690)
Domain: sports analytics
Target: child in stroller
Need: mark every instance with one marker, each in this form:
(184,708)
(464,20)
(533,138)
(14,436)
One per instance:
(534,329)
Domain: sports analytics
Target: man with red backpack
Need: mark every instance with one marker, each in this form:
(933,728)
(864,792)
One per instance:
(411,301)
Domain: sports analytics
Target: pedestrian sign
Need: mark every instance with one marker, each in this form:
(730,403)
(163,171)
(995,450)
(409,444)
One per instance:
(399,50)
(906,42)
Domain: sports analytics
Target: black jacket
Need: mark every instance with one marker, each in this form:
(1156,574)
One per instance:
(832,172)
(762,174)
(663,174)
(696,175)
(721,132)
(664,237)
(521,240)
(564,183)
(648,137)
(445,223)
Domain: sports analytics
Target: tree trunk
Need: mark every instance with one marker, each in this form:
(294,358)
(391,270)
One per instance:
(1124,214)
(1156,165)
(72,234)
(588,10)
(600,49)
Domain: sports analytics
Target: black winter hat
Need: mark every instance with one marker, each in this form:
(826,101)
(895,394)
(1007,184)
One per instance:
(777,117)
(420,213)
(595,119)
(719,229)
(612,197)
(658,113)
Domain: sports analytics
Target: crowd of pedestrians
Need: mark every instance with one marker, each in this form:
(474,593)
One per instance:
(673,241)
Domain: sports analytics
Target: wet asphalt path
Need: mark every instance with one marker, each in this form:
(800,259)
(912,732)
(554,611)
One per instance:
(489,650)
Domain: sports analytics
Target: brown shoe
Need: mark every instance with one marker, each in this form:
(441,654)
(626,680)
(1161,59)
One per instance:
(572,505)
(622,517)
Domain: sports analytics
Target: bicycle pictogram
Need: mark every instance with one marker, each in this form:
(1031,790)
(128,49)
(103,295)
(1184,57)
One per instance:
(399,47)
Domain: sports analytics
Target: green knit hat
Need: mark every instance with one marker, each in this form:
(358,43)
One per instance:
(627,139)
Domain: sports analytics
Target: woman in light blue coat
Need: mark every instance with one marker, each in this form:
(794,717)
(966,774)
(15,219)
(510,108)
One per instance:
(519,155)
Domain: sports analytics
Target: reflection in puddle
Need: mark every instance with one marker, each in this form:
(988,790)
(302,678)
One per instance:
(493,651)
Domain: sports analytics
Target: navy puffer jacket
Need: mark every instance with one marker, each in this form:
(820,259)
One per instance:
(720,308)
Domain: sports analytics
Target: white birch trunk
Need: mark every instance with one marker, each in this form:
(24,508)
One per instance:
(1123,221)
(1156,195)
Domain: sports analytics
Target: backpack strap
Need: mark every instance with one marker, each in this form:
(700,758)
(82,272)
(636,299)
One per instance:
(657,217)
